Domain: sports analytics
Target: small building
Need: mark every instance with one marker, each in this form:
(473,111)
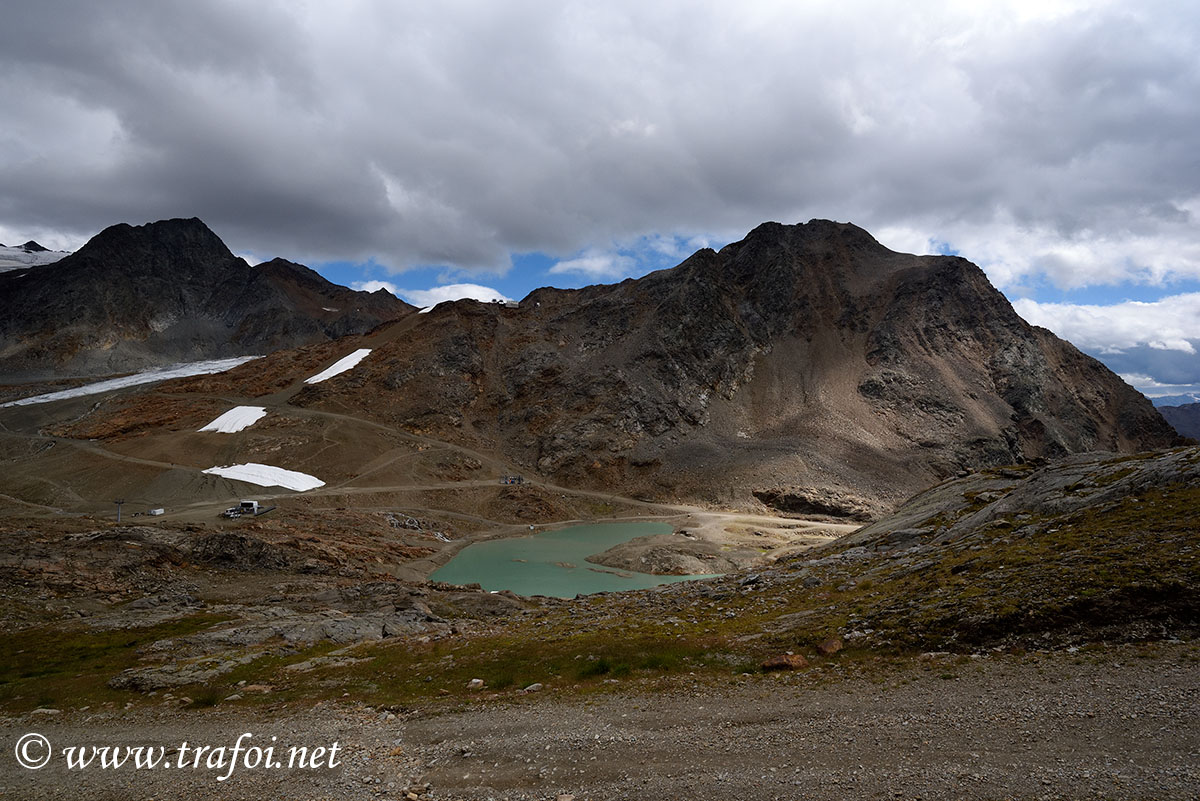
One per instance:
(156,512)
(245,507)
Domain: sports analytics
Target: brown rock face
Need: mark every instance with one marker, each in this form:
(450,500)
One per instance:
(809,502)
(806,365)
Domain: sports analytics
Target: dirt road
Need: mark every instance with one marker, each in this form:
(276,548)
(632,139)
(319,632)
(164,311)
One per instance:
(1119,724)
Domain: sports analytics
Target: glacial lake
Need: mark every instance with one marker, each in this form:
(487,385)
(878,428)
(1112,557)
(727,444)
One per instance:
(554,563)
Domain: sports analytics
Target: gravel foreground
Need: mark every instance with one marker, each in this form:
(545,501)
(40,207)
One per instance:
(1118,725)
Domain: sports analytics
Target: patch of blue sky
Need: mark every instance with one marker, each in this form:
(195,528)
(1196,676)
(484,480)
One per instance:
(1108,294)
(940,248)
(528,271)
(348,273)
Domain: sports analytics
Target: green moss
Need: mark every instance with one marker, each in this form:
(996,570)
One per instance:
(52,667)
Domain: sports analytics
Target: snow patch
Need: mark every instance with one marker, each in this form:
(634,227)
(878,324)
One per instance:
(340,366)
(266,475)
(19,258)
(182,370)
(236,419)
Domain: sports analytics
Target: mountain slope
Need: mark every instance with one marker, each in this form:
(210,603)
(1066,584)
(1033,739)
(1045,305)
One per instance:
(804,360)
(169,291)
(1185,419)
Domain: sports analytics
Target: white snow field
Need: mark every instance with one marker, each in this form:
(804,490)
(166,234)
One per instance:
(19,258)
(340,366)
(236,419)
(267,476)
(182,370)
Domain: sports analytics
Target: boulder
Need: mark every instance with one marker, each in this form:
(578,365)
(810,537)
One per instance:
(785,662)
(829,647)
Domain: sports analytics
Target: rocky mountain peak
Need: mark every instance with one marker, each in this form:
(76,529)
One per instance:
(816,237)
(167,291)
(297,273)
(786,264)
(177,246)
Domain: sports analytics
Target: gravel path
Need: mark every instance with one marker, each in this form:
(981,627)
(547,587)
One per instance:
(1039,727)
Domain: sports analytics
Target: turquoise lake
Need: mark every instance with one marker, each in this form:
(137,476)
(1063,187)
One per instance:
(554,563)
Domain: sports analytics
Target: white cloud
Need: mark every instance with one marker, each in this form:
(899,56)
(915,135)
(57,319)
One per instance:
(1153,388)
(596,264)
(1172,344)
(1040,138)
(1172,323)
(1152,346)
(375,286)
(441,294)
(677,247)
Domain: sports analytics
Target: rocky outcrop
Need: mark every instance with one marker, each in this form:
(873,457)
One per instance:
(969,506)
(1089,547)
(810,501)
(240,552)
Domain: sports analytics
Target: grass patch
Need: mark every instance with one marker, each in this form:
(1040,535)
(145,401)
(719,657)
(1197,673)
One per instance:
(51,667)
(595,667)
(399,673)
(206,697)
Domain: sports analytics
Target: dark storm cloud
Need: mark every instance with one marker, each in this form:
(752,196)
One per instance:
(1170,367)
(1041,139)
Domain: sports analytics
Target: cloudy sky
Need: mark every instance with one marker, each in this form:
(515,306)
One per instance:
(459,148)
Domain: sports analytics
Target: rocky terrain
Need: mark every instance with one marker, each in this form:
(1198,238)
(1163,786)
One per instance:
(1091,548)
(136,297)
(1020,632)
